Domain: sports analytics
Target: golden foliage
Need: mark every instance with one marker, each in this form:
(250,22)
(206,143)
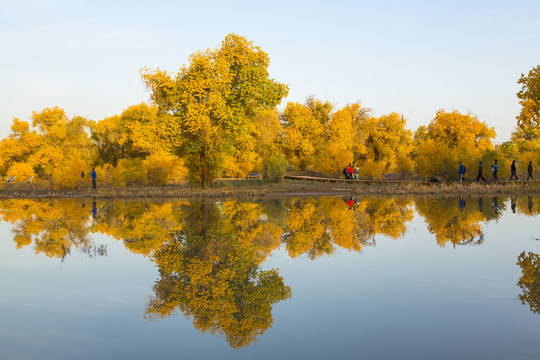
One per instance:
(529,282)
(456,221)
(316,227)
(214,100)
(53,226)
(210,271)
(453,137)
(529,99)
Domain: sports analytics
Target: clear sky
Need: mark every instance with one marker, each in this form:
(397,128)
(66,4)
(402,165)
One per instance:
(411,57)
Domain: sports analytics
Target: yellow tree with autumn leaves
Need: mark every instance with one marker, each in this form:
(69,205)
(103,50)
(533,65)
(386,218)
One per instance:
(453,137)
(213,102)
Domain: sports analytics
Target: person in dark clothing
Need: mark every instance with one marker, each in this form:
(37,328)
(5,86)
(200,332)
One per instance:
(82,174)
(495,169)
(94,178)
(530,171)
(480,170)
(461,172)
(513,171)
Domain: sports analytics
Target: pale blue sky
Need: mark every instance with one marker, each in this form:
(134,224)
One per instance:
(411,57)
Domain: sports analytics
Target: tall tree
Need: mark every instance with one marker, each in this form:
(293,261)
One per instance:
(213,101)
(529,99)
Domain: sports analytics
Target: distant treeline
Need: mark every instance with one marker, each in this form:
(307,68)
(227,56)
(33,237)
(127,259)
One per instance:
(218,116)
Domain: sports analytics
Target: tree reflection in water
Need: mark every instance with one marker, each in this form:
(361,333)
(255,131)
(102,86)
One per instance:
(317,226)
(209,253)
(54,227)
(454,222)
(529,282)
(210,270)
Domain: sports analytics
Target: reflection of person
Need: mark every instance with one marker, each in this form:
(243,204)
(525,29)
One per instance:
(530,204)
(513,204)
(495,169)
(495,205)
(480,204)
(530,171)
(94,208)
(461,172)
(350,203)
(480,170)
(93,178)
(461,203)
(513,171)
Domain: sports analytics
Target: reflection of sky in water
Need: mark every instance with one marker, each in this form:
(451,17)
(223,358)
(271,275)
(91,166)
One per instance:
(404,298)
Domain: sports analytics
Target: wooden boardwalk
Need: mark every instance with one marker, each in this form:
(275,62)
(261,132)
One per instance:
(395,181)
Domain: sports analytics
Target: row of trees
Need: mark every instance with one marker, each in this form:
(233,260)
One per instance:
(219,114)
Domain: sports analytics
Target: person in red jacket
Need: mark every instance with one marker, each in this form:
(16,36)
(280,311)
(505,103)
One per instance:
(350,172)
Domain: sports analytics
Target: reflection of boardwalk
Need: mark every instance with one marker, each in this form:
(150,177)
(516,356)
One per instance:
(393,181)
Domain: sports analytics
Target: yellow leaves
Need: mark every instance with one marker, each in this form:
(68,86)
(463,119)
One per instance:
(213,101)
(449,223)
(303,134)
(48,118)
(19,128)
(68,175)
(457,130)
(54,227)
(453,137)
(21,170)
(529,282)
(529,99)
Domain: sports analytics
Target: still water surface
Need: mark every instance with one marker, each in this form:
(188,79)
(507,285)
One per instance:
(320,278)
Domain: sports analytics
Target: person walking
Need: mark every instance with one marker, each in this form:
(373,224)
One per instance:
(513,171)
(94,178)
(480,170)
(461,172)
(530,171)
(494,170)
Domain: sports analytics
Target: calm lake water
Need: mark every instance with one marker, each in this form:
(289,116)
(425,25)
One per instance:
(319,278)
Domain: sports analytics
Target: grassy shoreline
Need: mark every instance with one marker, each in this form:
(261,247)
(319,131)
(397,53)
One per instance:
(256,188)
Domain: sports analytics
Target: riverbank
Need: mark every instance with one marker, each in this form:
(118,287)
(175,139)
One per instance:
(257,188)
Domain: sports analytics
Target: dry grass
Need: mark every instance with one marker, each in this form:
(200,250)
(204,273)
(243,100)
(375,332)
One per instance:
(257,188)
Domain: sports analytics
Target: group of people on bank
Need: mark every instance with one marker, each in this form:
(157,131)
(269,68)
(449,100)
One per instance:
(351,171)
(494,171)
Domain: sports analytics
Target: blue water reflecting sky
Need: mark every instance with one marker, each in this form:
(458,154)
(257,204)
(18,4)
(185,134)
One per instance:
(397,298)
